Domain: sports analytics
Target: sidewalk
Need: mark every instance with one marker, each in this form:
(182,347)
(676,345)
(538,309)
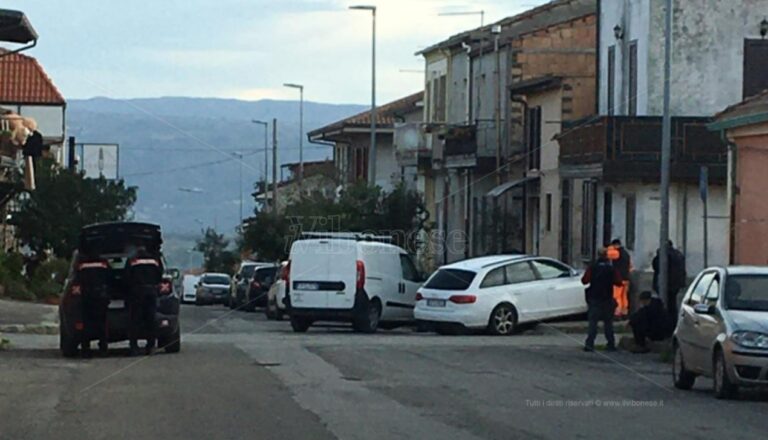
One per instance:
(27,317)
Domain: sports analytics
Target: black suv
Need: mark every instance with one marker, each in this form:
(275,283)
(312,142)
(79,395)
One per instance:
(102,274)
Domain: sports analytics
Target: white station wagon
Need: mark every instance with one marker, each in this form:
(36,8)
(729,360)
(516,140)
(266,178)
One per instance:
(498,293)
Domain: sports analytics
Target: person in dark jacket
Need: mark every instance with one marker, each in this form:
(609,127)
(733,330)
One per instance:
(601,276)
(145,272)
(676,277)
(650,322)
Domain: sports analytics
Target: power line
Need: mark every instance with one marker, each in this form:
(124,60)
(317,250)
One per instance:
(189,167)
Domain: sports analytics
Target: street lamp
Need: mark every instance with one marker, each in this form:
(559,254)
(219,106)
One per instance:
(372,150)
(266,148)
(301,129)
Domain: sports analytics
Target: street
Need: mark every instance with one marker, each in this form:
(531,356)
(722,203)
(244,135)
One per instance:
(240,376)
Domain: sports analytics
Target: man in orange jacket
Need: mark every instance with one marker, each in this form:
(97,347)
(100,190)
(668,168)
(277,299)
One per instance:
(622,262)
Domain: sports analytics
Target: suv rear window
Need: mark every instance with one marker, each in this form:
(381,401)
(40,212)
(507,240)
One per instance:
(247,271)
(265,274)
(215,279)
(451,279)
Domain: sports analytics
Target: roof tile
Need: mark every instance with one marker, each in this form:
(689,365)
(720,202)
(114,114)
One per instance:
(23,81)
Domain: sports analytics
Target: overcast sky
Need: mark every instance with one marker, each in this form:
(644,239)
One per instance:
(242,49)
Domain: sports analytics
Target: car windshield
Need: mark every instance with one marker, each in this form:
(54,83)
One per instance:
(451,279)
(747,292)
(216,279)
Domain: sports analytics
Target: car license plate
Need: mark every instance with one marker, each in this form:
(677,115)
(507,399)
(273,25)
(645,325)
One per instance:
(307,286)
(117,304)
(435,303)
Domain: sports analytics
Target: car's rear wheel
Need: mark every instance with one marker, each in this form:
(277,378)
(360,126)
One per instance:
(683,379)
(368,321)
(67,344)
(300,325)
(173,344)
(503,320)
(723,387)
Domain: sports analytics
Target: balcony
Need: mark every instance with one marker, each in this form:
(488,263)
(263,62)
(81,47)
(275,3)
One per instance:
(411,145)
(619,148)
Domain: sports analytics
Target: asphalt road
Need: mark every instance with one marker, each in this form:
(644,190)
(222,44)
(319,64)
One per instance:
(239,376)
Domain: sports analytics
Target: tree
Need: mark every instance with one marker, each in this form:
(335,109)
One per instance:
(65,201)
(215,254)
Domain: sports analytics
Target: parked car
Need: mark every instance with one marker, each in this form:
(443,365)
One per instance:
(350,278)
(213,288)
(105,254)
(260,283)
(188,288)
(722,330)
(498,293)
(241,283)
(276,308)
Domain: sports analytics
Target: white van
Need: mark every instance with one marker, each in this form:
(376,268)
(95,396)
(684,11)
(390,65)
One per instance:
(350,278)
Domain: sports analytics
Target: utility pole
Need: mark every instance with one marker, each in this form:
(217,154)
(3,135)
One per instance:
(240,184)
(274,166)
(666,146)
(372,149)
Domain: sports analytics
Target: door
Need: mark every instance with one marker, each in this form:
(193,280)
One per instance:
(525,291)
(688,324)
(406,296)
(708,327)
(383,277)
(565,293)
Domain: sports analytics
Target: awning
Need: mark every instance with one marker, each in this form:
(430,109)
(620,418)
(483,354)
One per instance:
(15,28)
(504,187)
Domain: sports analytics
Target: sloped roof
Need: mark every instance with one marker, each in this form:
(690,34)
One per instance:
(23,81)
(752,110)
(386,115)
(540,17)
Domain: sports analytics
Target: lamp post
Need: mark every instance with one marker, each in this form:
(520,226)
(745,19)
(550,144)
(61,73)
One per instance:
(372,151)
(666,147)
(301,130)
(266,149)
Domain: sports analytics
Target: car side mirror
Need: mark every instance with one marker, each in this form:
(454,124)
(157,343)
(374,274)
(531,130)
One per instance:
(704,309)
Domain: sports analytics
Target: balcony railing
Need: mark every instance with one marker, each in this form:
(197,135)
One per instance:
(631,146)
(460,140)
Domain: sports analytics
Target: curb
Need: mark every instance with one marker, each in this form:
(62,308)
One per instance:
(45,328)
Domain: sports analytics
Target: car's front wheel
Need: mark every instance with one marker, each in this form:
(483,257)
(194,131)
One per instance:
(723,387)
(503,320)
(683,379)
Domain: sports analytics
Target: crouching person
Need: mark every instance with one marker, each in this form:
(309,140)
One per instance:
(650,322)
(145,273)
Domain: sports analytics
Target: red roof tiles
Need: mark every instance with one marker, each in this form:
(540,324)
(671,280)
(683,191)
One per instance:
(23,81)
(386,115)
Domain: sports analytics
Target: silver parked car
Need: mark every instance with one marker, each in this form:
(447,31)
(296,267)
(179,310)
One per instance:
(722,330)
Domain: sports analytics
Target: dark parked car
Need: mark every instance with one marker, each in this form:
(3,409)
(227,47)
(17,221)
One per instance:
(100,269)
(262,280)
(213,288)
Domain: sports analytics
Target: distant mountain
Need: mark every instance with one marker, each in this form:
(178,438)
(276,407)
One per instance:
(171,144)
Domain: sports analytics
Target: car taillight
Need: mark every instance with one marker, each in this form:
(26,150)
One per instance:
(463,299)
(287,273)
(166,288)
(360,275)
(419,296)
(255,285)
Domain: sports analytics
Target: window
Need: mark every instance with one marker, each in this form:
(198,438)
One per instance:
(713,292)
(607,216)
(630,219)
(747,292)
(565,221)
(450,279)
(519,273)
(549,270)
(533,137)
(700,289)
(549,212)
(409,269)
(755,65)
(588,212)
(611,78)
(494,278)
(441,93)
(632,98)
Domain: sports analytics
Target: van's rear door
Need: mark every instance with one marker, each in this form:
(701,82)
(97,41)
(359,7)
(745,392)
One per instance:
(323,273)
